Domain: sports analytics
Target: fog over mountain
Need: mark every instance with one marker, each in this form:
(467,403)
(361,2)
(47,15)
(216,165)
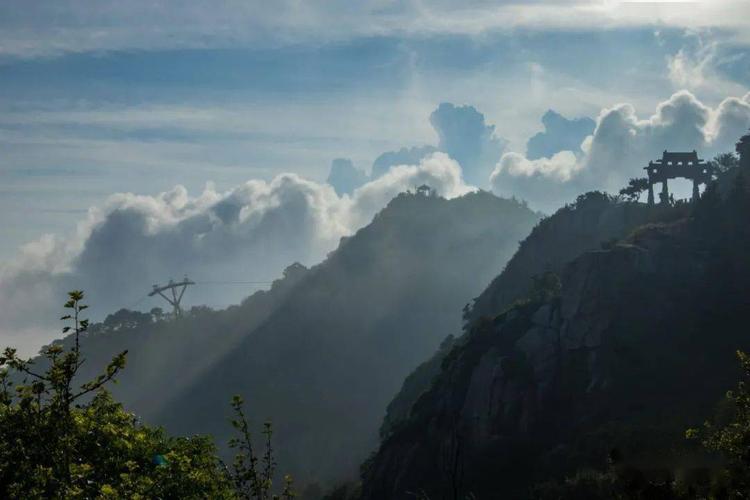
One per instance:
(326,348)
(251,232)
(375,249)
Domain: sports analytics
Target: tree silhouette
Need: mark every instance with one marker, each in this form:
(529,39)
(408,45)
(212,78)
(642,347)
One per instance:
(635,187)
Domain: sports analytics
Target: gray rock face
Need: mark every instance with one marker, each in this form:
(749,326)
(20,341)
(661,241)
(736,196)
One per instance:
(509,375)
(556,241)
(486,395)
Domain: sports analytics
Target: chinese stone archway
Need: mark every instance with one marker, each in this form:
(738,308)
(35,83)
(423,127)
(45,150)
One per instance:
(677,165)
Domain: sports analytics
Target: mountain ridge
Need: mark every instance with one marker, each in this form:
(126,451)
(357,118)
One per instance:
(622,356)
(330,341)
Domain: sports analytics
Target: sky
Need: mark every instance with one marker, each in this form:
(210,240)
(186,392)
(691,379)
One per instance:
(141,140)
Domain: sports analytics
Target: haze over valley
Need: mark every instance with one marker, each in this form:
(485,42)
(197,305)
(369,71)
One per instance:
(374,250)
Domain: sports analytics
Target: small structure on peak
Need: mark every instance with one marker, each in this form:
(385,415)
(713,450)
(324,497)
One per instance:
(425,190)
(674,165)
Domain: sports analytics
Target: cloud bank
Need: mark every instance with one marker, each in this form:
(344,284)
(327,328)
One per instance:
(50,28)
(620,146)
(344,177)
(462,134)
(560,134)
(254,230)
(251,232)
(404,156)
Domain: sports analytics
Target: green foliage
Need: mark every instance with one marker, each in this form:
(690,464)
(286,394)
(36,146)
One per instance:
(125,319)
(732,439)
(252,475)
(65,439)
(725,162)
(318,333)
(593,199)
(545,287)
(669,326)
(636,186)
(618,483)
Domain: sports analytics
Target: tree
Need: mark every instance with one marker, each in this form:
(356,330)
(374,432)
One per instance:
(732,439)
(62,439)
(725,162)
(545,287)
(125,319)
(636,186)
(592,199)
(157,314)
(252,475)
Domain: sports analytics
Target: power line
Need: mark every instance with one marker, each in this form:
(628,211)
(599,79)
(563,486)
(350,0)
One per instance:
(172,288)
(137,302)
(185,282)
(234,282)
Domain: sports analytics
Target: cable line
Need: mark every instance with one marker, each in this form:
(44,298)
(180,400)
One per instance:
(234,282)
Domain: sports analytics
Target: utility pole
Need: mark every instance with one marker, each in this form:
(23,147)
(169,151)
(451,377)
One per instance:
(176,296)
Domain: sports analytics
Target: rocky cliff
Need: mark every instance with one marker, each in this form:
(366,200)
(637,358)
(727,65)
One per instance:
(636,346)
(593,220)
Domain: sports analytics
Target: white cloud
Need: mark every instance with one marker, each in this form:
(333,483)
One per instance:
(344,177)
(560,134)
(621,145)
(560,167)
(45,28)
(728,122)
(438,171)
(251,232)
(695,65)
(464,135)
(687,70)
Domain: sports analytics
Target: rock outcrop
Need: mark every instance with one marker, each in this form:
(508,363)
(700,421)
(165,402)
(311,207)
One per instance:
(592,221)
(547,387)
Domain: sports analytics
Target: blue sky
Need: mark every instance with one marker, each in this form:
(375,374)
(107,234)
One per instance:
(103,97)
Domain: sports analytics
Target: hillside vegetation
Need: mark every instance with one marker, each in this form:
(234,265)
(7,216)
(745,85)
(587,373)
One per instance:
(618,358)
(322,352)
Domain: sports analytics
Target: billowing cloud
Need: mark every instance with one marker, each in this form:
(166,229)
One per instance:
(404,156)
(560,134)
(561,167)
(730,121)
(251,232)
(437,171)
(544,181)
(344,177)
(621,145)
(464,135)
